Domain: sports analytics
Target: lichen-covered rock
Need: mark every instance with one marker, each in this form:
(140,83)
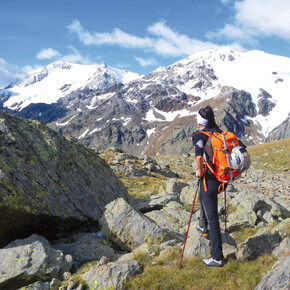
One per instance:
(112,275)
(198,245)
(278,278)
(187,195)
(55,284)
(173,185)
(172,216)
(282,249)
(26,261)
(252,207)
(128,228)
(258,245)
(283,228)
(85,247)
(49,184)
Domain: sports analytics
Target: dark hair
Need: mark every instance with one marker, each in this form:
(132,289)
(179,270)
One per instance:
(208,114)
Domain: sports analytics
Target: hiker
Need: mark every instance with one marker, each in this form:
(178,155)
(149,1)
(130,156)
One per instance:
(208,195)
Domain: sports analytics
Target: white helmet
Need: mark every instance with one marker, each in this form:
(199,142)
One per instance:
(240,159)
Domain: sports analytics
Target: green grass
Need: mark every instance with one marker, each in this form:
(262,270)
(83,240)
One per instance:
(272,157)
(243,234)
(194,275)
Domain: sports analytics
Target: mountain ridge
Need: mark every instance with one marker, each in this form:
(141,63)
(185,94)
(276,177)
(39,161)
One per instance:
(150,102)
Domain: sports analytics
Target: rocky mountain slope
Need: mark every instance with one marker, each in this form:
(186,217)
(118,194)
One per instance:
(77,227)
(155,113)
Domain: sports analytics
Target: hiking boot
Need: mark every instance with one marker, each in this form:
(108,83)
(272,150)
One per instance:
(210,262)
(202,230)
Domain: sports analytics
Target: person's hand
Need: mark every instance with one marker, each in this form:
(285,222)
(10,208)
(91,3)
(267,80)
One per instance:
(199,173)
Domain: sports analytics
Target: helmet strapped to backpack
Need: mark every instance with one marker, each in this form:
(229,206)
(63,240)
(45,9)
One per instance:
(240,159)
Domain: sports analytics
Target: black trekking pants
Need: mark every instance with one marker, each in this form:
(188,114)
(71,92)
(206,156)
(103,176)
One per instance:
(209,215)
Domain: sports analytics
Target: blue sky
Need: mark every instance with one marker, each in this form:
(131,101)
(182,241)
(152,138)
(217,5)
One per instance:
(136,35)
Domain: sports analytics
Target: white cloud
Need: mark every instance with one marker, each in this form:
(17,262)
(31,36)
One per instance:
(164,41)
(267,17)
(117,37)
(146,62)
(76,57)
(10,73)
(258,18)
(47,53)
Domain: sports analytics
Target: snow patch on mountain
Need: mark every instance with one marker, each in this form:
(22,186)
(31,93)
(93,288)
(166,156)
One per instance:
(155,115)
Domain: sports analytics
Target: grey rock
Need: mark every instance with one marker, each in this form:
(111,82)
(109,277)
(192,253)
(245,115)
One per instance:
(128,228)
(280,132)
(264,104)
(28,260)
(258,245)
(172,216)
(111,275)
(282,249)
(283,228)
(250,205)
(85,247)
(173,185)
(198,245)
(55,284)
(37,286)
(155,202)
(187,195)
(278,278)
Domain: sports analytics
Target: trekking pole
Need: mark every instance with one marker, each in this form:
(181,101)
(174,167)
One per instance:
(197,186)
(225,213)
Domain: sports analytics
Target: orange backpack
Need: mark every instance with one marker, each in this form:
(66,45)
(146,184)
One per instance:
(219,148)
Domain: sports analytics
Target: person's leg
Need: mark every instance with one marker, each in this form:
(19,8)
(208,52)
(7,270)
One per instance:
(210,204)
(202,217)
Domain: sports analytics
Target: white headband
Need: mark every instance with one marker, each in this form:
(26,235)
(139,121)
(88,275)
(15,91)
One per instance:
(201,120)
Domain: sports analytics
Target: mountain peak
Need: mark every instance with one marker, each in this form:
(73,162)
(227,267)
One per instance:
(60,65)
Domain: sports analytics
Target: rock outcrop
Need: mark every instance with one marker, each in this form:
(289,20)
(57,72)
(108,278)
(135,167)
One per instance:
(280,132)
(49,184)
(30,260)
(278,278)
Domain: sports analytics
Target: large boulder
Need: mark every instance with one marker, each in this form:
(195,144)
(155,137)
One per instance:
(29,260)
(49,184)
(128,228)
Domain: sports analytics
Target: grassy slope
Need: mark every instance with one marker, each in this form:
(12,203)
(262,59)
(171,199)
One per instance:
(272,157)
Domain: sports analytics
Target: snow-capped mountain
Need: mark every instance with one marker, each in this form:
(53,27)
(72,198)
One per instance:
(155,113)
(58,79)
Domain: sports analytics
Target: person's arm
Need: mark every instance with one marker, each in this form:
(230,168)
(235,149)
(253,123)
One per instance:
(200,166)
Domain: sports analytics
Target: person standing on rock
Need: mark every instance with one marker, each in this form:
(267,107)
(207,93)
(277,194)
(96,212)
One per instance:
(208,195)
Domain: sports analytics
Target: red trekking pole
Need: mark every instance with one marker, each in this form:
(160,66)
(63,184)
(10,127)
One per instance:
(197,186)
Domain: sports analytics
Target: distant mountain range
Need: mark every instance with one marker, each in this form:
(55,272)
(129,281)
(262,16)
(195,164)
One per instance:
(155,113)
